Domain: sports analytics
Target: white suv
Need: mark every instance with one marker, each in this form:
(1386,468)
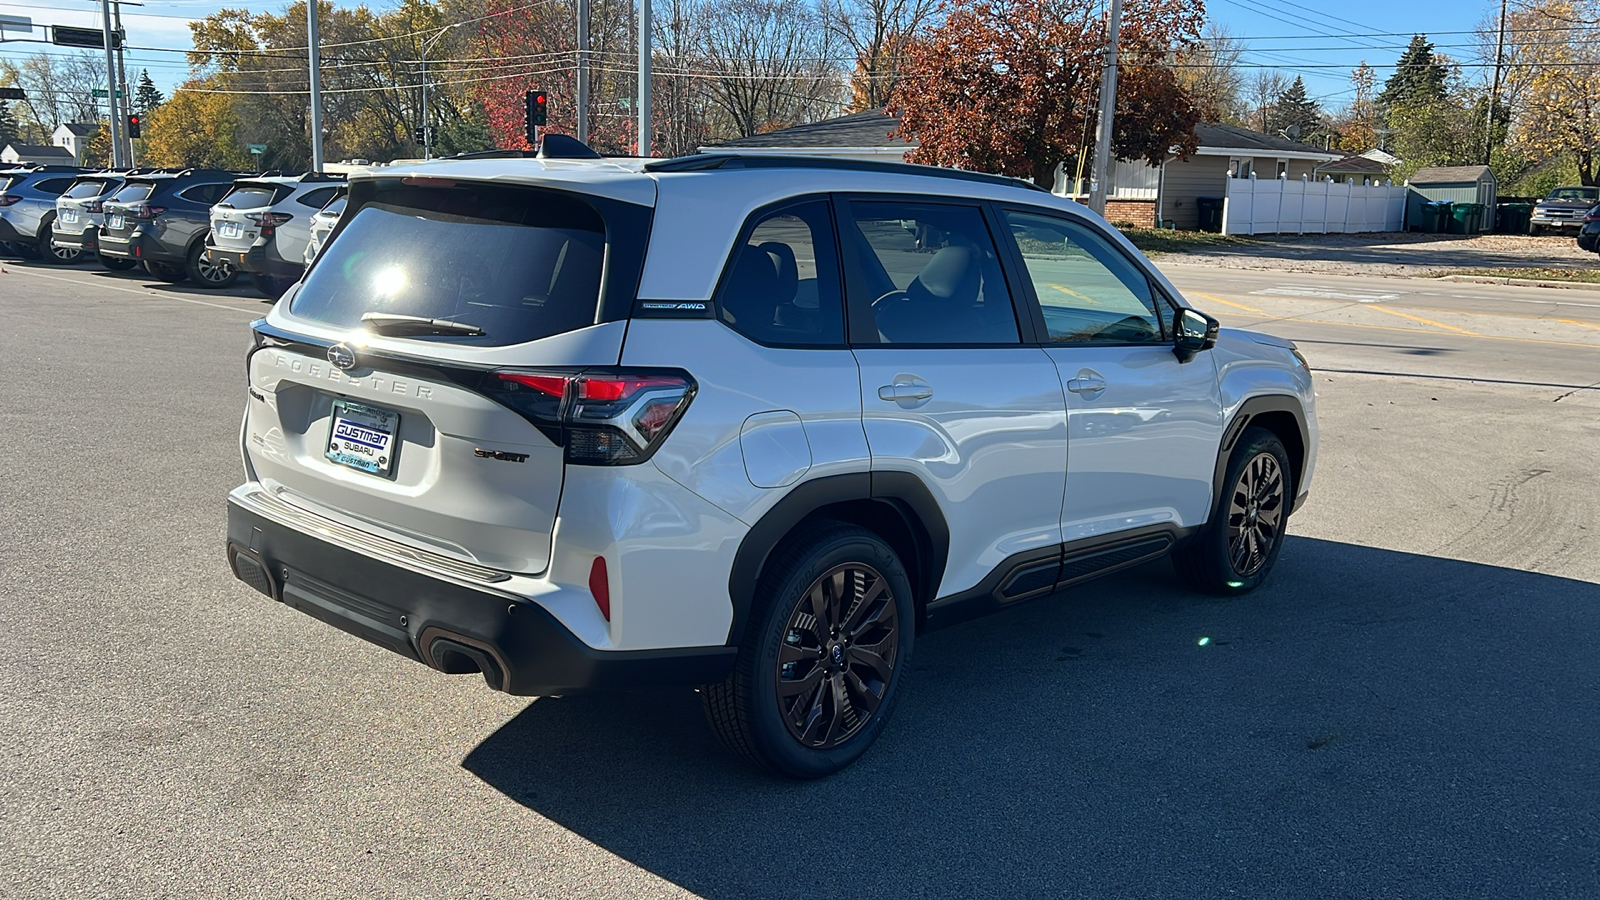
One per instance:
(745,423)
(263,225)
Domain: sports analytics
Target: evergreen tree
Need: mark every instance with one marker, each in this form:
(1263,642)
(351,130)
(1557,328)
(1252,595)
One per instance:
(145,95)
(8,126)
(1418,78)
(467,134)
(1294,109)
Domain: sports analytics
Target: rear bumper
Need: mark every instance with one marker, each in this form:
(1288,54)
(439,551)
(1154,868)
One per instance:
(262,260)
(84,240)
(443,623)
(137,245)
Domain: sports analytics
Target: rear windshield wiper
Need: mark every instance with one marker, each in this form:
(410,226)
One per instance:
(401,326)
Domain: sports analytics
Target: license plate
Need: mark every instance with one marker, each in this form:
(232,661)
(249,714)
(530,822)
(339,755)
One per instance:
(362,437)
(229,230)
(69,216)
(115,221)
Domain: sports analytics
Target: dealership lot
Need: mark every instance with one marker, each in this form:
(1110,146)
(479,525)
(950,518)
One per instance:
(1409,708)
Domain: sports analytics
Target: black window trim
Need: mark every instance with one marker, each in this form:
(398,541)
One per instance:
(759,215)
(1035,309)
(859,319)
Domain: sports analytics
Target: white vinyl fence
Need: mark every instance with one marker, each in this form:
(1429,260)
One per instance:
(1302,206)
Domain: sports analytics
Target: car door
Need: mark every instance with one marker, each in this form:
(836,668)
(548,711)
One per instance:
(955,391)
(1144,426)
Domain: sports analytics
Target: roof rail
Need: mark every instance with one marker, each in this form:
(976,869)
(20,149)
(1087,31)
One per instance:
(494,154)
(705,162)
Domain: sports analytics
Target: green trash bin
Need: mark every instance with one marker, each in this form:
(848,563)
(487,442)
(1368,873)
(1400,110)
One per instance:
(1466,218)
(1210,209)
(1435,216)
(1512,218)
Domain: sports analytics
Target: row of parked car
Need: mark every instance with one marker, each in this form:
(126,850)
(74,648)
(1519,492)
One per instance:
(206,226)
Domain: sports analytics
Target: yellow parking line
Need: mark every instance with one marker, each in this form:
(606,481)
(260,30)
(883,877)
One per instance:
(1229,303)
(1580,324)
(1481,337)
(1395,312)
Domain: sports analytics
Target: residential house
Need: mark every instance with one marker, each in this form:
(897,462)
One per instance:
(75,137)
(1354,170)
(36,153)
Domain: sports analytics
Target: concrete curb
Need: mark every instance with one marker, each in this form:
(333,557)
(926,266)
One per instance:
(1520,282)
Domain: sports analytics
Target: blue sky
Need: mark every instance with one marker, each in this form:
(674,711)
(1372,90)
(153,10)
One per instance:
(1317,39)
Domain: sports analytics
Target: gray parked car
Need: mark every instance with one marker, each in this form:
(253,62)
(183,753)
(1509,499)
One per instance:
(1563,208)
(28,208)
(162,219)
(81,211)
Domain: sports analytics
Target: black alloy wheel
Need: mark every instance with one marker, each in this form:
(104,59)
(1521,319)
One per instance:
(49,252)
(822,660)
(838,656)
(1236,549)
(1255,513)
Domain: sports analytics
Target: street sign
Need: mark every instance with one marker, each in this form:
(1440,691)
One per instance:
(13,93)
(82,37)
(256,149)
(100,93)
(16,23)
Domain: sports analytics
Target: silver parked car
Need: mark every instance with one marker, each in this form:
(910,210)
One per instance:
(28,209)
(80,214)
(263,225)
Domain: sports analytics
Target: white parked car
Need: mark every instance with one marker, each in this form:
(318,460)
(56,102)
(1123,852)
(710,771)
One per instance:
(322,224)
(80,214)
(263,225)
(745,423)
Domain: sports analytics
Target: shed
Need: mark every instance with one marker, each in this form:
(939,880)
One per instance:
(1458,184)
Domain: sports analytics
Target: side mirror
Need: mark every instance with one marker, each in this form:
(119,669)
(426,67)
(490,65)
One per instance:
(1193,331)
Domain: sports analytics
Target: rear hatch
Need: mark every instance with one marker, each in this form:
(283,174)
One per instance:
(82,204)
(128,206)
(238,218)
(440,425)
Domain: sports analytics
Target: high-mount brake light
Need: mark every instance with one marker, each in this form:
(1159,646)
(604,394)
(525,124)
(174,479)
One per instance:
(602,417)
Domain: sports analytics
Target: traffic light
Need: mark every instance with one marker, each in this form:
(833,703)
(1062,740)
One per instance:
(423,133)
(133,126)
(538,107)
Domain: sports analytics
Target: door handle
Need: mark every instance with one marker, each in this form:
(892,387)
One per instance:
(1087,382)
(902,392)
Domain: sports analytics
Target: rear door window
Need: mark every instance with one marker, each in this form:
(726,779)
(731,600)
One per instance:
(518,263)
(53,186)
(782,285)
(317,199)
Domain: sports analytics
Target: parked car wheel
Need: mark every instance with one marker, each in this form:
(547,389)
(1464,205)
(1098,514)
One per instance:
(62,256)
(1535,230)
(268,286)
(1238,546)
(820,667)
(166,271)
(204,272)
(117,265)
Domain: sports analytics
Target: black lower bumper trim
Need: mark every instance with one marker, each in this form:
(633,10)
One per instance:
(11,235)
(440,623)
(257,260)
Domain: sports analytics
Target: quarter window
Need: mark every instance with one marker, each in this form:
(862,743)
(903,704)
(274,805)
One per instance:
(929,273)
(1088,290)
(782,285)
(318,198)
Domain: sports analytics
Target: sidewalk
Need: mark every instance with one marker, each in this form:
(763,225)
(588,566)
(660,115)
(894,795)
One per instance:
(1392,254)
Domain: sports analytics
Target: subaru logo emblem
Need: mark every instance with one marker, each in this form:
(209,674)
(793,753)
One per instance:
(342,356)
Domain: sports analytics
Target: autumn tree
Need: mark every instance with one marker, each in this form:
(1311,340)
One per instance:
(1210,72)
(877,33)
(1554,51)
(1009,86)
(195,128)
(60,89)
(1359,125)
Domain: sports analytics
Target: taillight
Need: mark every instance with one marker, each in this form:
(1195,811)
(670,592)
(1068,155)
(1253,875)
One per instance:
(602,417)
(94,206)
(8,199)
(268,221)
(146,211)
(600,586)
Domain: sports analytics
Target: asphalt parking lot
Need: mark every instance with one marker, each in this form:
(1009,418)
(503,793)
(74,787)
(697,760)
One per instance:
(1410,708)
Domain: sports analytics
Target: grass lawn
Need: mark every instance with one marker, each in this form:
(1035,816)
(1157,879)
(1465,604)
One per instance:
(1160,240)
(1588,276)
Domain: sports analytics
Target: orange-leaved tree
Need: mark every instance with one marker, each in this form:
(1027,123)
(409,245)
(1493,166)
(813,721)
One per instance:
(1011,86)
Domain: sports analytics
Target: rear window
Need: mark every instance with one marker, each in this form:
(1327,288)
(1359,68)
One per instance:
(520,264)
(133,192)
(88,187)
(253,196)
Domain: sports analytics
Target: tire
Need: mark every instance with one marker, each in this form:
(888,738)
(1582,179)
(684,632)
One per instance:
(167,272)
(1535,230)
(806,732)
(1227,557)
(205,273)
(268,286)
(51,254)
(118,265)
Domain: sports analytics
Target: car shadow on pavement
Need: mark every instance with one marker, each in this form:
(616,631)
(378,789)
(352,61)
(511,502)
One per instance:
(1372,723)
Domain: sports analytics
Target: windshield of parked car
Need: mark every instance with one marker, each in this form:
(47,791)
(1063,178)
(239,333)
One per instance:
(250,196)
(520,264)
(133,192)
(1582,195)
(86,187)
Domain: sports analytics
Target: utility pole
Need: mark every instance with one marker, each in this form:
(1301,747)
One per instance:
(645,132)
(1494,92)
(117,159)
(1108,110)
(122,84)
(583,71)
(314,50)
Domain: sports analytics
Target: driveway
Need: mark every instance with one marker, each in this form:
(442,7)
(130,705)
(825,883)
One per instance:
(1402,254)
